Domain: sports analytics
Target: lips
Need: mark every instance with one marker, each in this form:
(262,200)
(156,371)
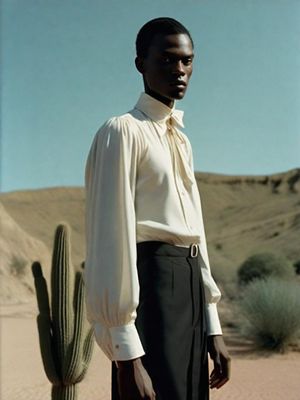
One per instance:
(178,83)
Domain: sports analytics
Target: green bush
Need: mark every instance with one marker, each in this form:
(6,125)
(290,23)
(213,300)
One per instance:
(271,309)
(263,265)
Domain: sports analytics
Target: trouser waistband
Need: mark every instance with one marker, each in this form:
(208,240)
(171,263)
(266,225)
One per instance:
(166,249)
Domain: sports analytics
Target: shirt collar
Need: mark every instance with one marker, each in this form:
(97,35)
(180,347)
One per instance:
(158,111)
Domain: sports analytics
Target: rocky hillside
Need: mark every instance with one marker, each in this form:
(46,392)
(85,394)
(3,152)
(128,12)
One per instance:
(243,215)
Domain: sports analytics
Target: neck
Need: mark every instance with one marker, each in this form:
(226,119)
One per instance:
(164,100)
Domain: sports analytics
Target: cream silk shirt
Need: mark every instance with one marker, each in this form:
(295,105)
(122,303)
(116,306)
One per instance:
(140,186)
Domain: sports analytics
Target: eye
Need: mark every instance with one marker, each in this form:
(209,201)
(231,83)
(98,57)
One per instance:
(187,60)
(166,60)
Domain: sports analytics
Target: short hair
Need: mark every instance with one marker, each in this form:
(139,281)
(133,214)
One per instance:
(162,25)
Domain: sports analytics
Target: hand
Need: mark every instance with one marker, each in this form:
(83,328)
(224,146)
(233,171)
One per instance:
(220,356)
(133,381)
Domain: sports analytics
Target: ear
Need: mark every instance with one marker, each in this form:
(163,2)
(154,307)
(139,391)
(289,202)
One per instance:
(140,64)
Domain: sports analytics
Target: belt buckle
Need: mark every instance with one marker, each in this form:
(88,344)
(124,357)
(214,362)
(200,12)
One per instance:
(194,250)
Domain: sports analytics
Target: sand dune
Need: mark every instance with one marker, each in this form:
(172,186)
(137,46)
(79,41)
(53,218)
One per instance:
(18,250)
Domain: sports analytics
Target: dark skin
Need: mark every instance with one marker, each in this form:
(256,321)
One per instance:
(166,71)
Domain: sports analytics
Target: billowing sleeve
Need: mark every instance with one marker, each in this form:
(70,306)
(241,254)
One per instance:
(212,292)
(112,287)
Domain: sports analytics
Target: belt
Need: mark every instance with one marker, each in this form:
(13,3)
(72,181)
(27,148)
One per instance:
(194,250)
(163,248)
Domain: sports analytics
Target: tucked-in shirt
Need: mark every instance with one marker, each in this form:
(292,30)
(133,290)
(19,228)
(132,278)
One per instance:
(140,186)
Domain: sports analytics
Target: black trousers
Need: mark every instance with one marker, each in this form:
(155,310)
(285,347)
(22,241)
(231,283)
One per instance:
(171,322)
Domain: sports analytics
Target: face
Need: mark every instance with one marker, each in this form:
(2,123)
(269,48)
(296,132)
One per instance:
(167,67)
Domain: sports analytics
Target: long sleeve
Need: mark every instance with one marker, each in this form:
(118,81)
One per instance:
(212,292)
(112,287)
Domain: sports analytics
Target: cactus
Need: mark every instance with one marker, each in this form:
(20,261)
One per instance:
(66,342)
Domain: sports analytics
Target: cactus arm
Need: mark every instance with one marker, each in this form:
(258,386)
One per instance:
(41,289)
(81,350)
(44,325)
(87,353)
(46,346)
(88,344)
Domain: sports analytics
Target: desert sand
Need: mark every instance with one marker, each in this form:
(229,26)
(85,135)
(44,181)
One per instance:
(243,215)
(254,376)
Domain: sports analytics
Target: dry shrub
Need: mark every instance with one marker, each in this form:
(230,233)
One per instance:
(263,265)
(18,266)
(272,311)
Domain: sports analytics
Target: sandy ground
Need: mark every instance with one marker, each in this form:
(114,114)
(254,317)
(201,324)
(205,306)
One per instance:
(254,376)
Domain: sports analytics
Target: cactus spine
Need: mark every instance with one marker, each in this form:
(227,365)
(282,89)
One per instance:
(66,342)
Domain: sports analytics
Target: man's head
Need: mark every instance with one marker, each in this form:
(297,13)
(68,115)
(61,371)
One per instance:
(164,49)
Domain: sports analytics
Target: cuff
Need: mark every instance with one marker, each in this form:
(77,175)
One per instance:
(126,343)
(212,318)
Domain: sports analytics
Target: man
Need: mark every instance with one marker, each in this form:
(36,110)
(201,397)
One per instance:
(150,294)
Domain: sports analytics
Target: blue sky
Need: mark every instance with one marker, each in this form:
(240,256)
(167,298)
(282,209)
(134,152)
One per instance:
(68,65)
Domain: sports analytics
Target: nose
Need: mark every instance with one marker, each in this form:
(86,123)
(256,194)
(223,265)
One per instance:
(178,68)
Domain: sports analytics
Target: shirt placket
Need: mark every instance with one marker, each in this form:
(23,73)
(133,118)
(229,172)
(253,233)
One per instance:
(181,190)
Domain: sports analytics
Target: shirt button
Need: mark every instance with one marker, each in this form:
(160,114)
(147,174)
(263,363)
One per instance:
(117,346)
(182,192)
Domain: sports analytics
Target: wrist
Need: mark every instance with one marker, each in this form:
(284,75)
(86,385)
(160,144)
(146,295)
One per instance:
(210,337)
(126,364)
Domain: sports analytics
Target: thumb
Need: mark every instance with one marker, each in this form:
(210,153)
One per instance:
(218,364)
